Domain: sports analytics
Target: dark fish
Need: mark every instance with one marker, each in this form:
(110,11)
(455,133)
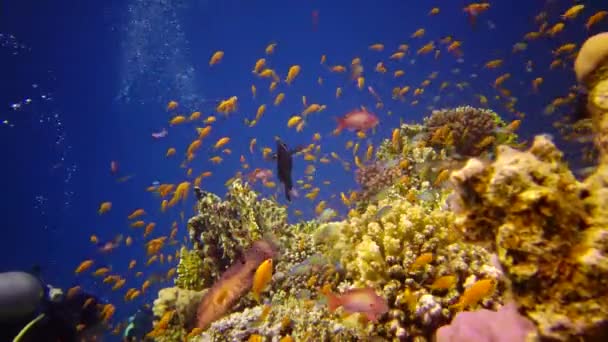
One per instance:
(284,158)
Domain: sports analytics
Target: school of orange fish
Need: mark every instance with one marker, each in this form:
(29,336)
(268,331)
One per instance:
(266,81)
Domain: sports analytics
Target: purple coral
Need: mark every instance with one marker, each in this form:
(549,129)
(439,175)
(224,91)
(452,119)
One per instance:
(504,325)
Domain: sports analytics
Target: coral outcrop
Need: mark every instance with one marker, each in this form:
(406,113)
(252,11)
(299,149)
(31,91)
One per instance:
(222,230)
(469,131)
(548,231)
(401,248)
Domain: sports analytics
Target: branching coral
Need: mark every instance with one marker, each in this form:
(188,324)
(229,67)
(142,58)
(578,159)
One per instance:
(401,248)
(548,230)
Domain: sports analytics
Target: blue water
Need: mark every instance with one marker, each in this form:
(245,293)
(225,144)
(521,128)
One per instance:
(98,76)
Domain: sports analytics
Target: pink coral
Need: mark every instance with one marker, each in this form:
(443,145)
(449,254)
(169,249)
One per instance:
(504,325)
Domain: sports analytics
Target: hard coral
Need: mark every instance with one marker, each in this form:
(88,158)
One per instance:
(591,67)
(462,128)
(223,229)
(184,303)
(299,319)
(591,56)
(376,177)
(190,271)
(383,248)
(548,231)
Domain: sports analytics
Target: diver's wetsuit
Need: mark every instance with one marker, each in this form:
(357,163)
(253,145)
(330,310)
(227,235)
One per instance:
(27,314)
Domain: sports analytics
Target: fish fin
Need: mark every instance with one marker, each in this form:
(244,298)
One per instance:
(333,302)
(294,193)
(371,317)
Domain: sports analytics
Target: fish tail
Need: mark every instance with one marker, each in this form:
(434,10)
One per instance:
(341,124)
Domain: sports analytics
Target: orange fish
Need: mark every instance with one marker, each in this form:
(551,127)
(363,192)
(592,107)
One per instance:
(85,265)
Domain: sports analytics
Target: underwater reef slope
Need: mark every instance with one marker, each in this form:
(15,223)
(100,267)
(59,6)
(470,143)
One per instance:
(506,241)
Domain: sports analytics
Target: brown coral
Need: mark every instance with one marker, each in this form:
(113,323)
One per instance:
(376,177)
(463,128)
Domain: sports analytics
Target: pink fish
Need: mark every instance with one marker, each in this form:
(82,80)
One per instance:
(357,120)
(364,301)
(161,134)
(260,174)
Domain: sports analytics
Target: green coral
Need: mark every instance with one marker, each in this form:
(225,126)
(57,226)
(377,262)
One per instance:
(184,303)
(549,233)
(190,271)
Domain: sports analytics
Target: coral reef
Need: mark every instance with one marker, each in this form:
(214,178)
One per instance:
(524,209)
(591,68)
(376,177)
(469,131)
(183,303)
(189,271)
(223,229)
(302,320)
(400,248)
(549,232)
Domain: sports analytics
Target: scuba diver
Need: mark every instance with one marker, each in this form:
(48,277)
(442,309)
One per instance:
(140,324)
(32,311)
(284,158)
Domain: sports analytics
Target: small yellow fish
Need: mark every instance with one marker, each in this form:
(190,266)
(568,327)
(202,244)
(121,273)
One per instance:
(293,121)
(270,48)
(261,278)
(293,72)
